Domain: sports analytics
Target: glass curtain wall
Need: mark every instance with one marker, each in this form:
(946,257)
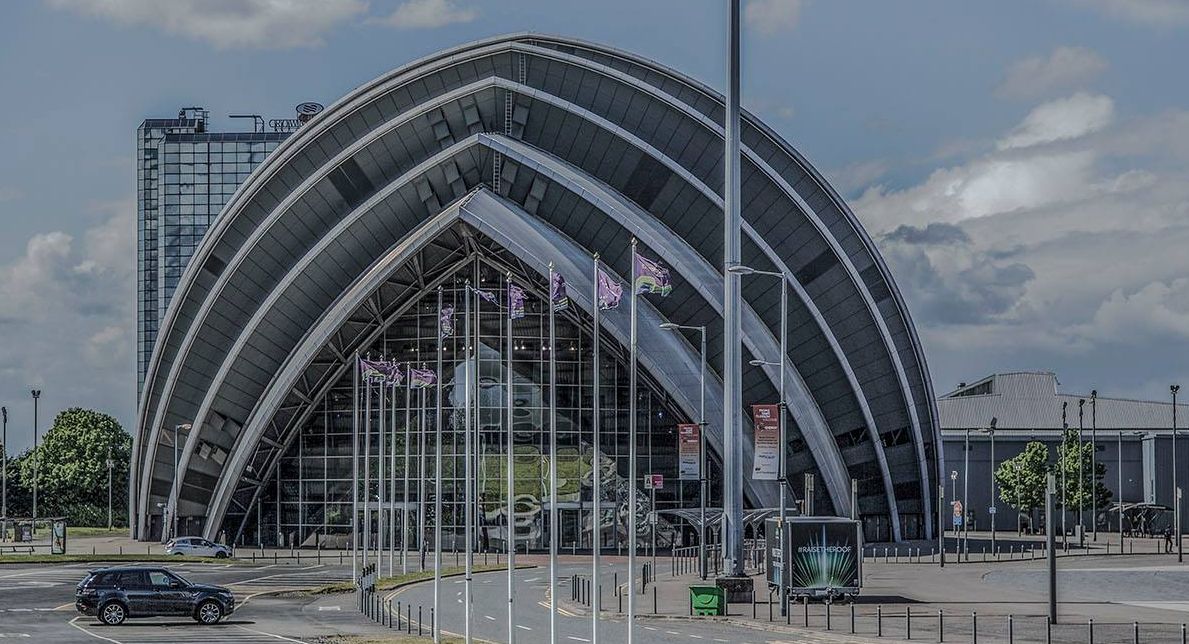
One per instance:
(309,502)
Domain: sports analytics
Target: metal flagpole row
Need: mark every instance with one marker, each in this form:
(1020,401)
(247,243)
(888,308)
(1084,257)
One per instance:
(437,502)
(404,513)
(510,528)
(380,490)
(553,531)
(469,509)
(392,476)
(421,481)
(367,467)
(355,470)
(632,475)
(596,522)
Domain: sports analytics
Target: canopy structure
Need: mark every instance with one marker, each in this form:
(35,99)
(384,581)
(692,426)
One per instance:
(502,156)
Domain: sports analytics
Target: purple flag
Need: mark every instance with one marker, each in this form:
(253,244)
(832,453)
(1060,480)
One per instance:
(557,293)
(373,370)
(395,373)
(649,276)
(446,323)
(610,291)
(488,295)
(515,301)
(421,378)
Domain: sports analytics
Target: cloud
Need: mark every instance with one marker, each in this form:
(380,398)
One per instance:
(1154,13)
(1155,312)
(427,14)
(771,16)
(10,194)
(67,314)
(1060,120)
(228,24)
(1037,76)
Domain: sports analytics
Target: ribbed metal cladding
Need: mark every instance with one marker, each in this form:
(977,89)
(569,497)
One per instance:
(599,145)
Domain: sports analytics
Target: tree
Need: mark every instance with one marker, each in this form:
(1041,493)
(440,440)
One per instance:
(1074,460)
(1021,479)
(72,467)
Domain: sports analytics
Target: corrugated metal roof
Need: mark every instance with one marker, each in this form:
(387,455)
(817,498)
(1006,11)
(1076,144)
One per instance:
(1030,400)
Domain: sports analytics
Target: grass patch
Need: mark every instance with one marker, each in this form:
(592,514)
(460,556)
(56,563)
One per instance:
(83,531)
(44,558)
(391,583)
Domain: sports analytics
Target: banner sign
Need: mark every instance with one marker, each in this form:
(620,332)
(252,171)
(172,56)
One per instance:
(766,419)
(654,481)
(689,452)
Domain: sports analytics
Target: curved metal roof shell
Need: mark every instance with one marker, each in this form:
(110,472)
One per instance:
(593,146)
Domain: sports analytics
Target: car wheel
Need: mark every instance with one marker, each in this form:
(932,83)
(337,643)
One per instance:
(113,613)
(178,554)
(209,612)
(220,555)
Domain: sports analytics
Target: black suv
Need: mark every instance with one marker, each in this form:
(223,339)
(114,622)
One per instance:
(115,594)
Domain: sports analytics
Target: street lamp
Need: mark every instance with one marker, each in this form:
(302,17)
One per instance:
(4,475)
(173,493)
(991,510)
(1094,462)
(965,552)
(702,478)
(36,459)
(1081,476)
(1175,482)
(110,463)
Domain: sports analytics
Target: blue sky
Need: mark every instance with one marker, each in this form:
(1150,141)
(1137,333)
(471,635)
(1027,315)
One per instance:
(1021,164)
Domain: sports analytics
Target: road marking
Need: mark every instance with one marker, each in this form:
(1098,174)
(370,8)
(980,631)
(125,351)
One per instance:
(525,628)
(529,581)
(106,639)
(336,607)
(12,635)
(490,617)
(672,633)
(697,637)
(280,637)
(579,639)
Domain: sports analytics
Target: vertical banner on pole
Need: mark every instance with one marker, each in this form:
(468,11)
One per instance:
(558,300)
(404,499)
(355,471)
(468,474)
(445,330)
(766,420)
(515,311)
(689,452)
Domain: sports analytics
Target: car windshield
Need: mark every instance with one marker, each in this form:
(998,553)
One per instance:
(185,582)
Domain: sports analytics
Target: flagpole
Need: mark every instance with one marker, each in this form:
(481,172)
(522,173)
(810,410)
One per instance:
(404,499)
(367,467)
(509,534)
(632,461)
(437,502)
(392,476)
(355,471)
(421,479)
(553,532)
(467,473)
(380,482)
(596,465)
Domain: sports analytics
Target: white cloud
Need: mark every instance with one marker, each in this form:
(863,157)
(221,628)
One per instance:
(67,315)
(1064,68)
(427,14)
(772,16)
(1061,120)
(228,24)
(1156,13)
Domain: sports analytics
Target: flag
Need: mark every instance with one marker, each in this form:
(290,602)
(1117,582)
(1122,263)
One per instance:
(515,302)
(373,370)
(557,293)
(394,374)
(487,295)
(422,378)
(649,276)
(446,323)
(609,291)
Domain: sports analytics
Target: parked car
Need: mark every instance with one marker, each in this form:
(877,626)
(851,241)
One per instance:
(116,594)
(197,547)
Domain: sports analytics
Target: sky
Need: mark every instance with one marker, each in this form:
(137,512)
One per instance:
(1022,165)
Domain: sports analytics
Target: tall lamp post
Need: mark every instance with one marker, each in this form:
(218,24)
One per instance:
(1176,485)
(1081,476)
(36,459)
(4,475)
(964,553)
(702,478)
(991,511)
(110,463)
(173,507)
(1094,462)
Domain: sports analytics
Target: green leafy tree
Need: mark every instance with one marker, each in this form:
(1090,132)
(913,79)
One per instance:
(71,466)
(1021,479)
(1076,479)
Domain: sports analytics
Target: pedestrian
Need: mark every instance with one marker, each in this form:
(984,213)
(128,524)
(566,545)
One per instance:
(1167,540)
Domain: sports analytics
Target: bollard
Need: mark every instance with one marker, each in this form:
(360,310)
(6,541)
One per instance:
(806,604)
(398,616)
(409,618)
(908,622)
(852,619)
(753,602)
(828,602)
(418,621)
(1183,634)
(973,627)
(1011,631)
(431,619)
(769,604)
(1135,632)
(1090,633)
(620,595)
(1048,632)
(879,621)
(940,626)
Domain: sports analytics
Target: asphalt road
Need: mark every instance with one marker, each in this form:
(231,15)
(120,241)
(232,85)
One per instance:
(37,604)
(532,612)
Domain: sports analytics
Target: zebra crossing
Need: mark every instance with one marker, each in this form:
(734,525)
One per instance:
(309,577)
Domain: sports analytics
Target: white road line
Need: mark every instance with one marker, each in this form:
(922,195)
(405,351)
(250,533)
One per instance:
(106,639)
(490,617)
(579,639)
(524,628)
(280,637)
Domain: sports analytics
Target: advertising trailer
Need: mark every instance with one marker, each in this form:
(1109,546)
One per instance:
(818,557)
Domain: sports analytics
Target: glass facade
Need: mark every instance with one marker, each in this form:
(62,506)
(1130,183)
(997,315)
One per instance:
(307,500)
(184,176)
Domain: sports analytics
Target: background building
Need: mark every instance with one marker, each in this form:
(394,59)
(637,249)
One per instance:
(494,158)
(1028,407)
(184,175)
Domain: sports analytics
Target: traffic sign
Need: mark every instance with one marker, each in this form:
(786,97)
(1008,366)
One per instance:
(654,481)
(991,509)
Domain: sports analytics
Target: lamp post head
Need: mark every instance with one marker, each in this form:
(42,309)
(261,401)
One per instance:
(1093,394)
(670,326)
(36,393)
(1174,388)
(994,423)
(4,413)
(740,269)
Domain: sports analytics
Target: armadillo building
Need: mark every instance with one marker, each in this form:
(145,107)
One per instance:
(500,157)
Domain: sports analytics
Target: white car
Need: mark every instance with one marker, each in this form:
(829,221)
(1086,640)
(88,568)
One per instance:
(197,547)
